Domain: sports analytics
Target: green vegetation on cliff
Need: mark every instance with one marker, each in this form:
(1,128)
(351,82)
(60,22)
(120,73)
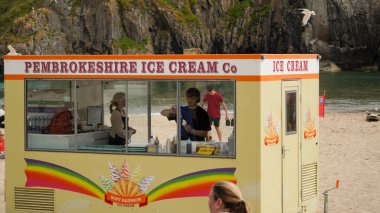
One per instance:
(260,12)
(182,11)
(10,10)
(125,43)
(238,10)
(255,13)
(127,3)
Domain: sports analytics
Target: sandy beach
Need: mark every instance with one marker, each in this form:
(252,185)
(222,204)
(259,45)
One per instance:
(349,151)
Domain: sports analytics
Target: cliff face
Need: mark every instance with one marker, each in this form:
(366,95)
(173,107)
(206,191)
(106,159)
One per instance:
(346,32)
(350,35)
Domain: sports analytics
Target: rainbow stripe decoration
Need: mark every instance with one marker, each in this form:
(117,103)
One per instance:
(195,184)
(44,174)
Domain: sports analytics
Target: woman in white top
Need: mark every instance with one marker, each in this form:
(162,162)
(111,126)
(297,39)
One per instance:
(117,133)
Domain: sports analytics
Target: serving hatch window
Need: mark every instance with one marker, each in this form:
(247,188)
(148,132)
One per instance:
(132,116)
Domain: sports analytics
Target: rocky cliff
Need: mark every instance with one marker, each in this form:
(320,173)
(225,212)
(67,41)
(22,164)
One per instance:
(346,32)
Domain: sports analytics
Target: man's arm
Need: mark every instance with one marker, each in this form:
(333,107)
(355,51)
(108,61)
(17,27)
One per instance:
(225,110)
(199,133)
(204,100)
(203,103)
(204,124)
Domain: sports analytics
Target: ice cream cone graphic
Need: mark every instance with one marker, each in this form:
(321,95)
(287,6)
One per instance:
(310,131)
(126,186)
(271,135)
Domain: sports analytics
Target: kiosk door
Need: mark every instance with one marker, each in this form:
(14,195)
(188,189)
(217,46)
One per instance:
(290,146)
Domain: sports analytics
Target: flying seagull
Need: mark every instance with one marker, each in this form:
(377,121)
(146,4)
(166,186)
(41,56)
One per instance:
(306,15)
(12,51)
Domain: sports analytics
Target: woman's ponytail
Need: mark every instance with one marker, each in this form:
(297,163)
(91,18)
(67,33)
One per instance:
(242,207)
(111,107)
(231,197)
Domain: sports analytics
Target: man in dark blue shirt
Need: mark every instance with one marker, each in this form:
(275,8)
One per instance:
(197,121)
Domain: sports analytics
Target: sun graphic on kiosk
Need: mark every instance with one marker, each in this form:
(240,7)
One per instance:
(271,131)
(126,186)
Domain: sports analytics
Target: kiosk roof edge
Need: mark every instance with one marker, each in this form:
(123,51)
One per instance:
(166,56)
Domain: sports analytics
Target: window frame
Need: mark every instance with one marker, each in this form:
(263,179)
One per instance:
(291,92)
(73,98)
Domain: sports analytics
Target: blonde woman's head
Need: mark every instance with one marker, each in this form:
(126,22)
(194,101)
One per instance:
(118,100)
(226,196)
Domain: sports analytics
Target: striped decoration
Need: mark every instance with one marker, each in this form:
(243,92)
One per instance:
(44,174)
(195,184)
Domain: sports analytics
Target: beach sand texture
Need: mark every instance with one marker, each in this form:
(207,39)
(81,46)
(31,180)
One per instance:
(349,151)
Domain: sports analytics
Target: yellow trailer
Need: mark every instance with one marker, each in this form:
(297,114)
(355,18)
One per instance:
(268,146)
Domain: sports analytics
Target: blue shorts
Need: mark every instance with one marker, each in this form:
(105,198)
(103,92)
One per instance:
(215,121)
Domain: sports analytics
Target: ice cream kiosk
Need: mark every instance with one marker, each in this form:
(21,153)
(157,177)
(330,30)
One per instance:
(58,126)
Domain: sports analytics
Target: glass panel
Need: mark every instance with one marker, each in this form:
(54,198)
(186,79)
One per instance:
(89,101)
(49,111)
(208,130)
(138,112)
(291,112)
(163,107)
(114,113)
(102,106)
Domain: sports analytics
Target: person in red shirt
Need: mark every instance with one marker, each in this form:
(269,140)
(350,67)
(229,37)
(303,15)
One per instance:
(213,100)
